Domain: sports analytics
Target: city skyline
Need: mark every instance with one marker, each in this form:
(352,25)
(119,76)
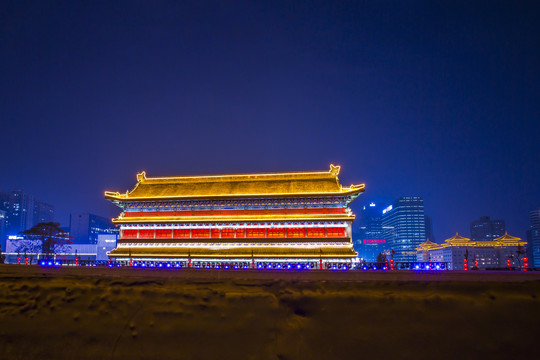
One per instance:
(422,99)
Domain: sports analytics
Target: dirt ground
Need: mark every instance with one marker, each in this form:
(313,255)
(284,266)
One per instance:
(102,313)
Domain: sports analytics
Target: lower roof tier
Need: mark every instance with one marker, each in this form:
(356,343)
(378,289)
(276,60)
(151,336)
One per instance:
(227,253)
(242,218)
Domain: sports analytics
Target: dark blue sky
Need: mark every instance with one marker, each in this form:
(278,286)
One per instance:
(411,97)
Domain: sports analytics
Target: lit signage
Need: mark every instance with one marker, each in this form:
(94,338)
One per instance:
(371,241)
(387,209)
(372,204)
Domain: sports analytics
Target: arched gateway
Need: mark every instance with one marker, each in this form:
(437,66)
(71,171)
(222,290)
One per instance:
(250,219)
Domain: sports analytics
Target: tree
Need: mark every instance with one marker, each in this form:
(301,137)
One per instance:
(381,258)
(520,252)
(2,256)
(53,238)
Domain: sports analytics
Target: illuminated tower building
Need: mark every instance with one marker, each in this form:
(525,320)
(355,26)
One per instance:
(533,239)
(485,229)
(247,220)
(404,227)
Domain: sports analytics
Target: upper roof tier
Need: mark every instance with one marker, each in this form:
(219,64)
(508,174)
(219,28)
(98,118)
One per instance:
(324,183)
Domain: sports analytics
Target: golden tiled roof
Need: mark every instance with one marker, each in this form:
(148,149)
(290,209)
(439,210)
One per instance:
(457,239)
(247,185)
(427,245)
(507,238)
(235,252)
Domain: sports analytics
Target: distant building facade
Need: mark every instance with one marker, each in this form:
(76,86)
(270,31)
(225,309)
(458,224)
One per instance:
(84,252)
(404,227)
(85,228)
(533,239)
(371,241)
(491,254)
(485,229)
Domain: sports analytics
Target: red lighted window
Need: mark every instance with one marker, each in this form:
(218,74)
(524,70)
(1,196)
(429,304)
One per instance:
(315,232)
(296,211)
(164,233)
(181,233)
(130,234)
(146,234)
(296,233)
(335,232)
(215,233)
(200,233)
(335,210)
(240,233)
(255,233)
(276,233)
(227,233)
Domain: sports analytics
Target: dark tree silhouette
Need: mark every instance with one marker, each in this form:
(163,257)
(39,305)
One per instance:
(519,254)
(51,235)
(381,258)
(2,256)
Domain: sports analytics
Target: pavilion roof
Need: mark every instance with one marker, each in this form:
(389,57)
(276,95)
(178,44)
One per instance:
(507,238)
(427,245)
(244,185)
(457,239)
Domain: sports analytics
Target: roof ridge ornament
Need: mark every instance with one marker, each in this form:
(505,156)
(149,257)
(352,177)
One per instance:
(334,169)
(141,176)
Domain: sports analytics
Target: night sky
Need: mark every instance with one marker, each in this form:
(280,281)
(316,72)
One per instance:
(440,100)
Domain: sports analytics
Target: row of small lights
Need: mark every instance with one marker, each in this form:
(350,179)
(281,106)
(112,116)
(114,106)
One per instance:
(235,266)
(226,266)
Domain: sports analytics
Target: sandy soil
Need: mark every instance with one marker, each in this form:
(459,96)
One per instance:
(101,313)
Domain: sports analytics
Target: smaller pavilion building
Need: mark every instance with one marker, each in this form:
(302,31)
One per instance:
(491,254)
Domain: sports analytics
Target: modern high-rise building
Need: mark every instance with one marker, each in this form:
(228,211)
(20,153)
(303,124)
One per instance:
(404,225)
(85,228)
(429,229)
(370,241)
(23,211)
(485,229)
(533,239)
(3,229)
(43,212)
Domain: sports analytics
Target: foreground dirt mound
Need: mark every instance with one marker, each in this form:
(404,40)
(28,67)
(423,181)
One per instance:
(89,315)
